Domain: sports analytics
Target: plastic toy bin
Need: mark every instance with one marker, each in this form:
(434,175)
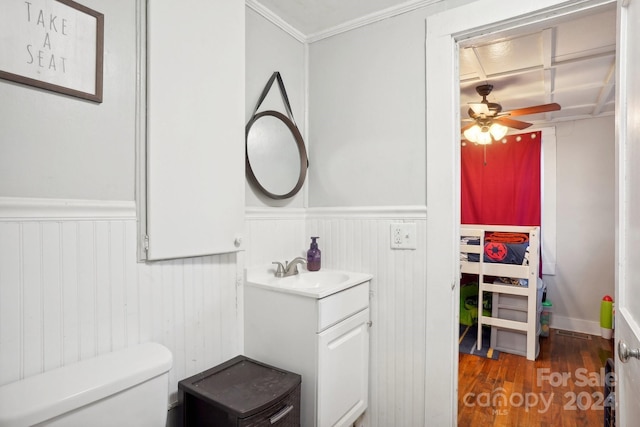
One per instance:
(241,392)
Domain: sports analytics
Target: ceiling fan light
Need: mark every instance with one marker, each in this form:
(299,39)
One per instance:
(471,134)
(484,138)
(478,134)
(498,131)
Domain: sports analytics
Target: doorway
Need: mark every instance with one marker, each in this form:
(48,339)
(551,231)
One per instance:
(585,186)
(445,32)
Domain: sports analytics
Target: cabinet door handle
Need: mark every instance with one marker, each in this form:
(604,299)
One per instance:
(280,415)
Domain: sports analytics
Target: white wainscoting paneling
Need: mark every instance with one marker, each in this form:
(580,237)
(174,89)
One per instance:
(358,239)
(70,289)
(274,234)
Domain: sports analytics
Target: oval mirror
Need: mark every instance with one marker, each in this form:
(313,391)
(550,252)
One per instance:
(276,155)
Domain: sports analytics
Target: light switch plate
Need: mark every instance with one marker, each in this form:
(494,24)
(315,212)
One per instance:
(403,235)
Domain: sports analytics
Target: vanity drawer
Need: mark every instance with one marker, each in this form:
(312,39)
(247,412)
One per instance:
(341,305)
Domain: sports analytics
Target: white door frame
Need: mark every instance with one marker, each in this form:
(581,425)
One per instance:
(444,32)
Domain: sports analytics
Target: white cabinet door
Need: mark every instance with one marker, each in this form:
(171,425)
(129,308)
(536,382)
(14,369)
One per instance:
(343,371)
(195,127)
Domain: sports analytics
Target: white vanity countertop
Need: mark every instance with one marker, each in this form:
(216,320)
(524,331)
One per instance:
(312,284)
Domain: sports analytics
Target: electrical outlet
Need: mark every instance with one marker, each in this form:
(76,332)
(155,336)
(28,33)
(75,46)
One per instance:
(403,235)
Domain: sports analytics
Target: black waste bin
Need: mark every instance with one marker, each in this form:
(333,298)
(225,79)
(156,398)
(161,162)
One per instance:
(239,393)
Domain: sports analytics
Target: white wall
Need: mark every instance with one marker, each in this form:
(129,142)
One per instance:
(367,113)
(366,103)
(58,146)
(585,223)
(270,49)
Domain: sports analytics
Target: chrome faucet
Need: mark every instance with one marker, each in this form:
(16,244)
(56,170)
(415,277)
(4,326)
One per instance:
(289,268)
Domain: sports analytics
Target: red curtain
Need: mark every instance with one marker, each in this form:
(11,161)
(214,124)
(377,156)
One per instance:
(501,181)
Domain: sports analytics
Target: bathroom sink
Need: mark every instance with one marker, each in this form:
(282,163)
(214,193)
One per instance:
(314,284)
(315,279)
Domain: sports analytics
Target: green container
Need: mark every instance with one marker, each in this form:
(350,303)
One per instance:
(606,314)
(545,318)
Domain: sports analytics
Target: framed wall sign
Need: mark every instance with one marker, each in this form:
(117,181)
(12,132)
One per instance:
(56,45)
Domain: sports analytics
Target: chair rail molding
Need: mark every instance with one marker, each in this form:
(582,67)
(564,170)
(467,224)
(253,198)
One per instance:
(23,209)
(378,212)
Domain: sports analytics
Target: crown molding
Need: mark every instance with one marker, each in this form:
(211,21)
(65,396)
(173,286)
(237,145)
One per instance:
(371,18)
(276,20)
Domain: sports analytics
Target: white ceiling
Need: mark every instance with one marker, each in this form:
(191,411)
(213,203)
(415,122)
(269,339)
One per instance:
(571,63)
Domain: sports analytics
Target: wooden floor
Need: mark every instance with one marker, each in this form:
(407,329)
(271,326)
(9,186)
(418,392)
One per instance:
(563,387)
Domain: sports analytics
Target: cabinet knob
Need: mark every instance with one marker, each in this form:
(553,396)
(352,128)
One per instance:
(237,242)
(369,323)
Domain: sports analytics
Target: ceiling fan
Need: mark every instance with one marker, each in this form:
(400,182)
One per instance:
(489,123)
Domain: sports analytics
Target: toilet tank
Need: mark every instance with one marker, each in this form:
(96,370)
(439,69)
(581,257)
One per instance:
(126,387)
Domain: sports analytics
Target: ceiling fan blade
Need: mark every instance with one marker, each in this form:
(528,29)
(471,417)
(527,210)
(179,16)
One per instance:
(535,109)
(516,124)
(479,108)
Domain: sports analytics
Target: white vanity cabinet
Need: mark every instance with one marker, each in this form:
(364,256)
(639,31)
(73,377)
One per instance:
(326,340)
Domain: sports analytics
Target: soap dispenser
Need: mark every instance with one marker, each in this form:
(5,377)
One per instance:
(313,256)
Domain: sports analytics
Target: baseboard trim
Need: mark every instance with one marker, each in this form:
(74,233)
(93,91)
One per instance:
(576,325)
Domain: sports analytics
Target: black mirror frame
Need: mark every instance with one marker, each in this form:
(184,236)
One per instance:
(302,151)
